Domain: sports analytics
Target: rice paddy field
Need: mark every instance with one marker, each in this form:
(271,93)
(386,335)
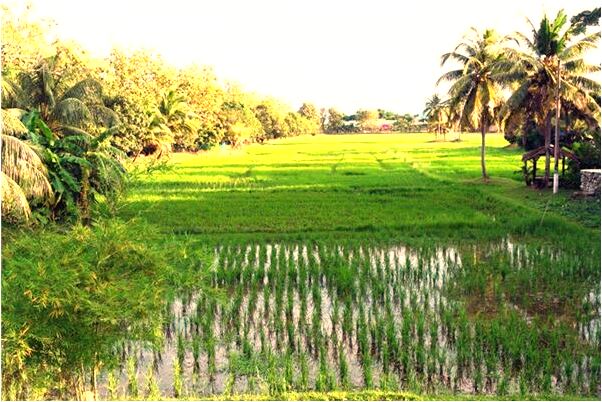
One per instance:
(370,264)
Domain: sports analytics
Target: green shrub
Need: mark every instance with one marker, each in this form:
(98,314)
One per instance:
(68,298)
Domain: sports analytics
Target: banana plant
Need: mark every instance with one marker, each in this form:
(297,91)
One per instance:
(80,166)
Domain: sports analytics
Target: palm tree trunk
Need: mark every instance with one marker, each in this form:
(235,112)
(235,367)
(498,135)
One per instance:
(547,140)
(483,132)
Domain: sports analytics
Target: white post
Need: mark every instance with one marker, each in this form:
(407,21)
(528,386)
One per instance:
(557,130)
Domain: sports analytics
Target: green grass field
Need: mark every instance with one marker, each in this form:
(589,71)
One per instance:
(398,186)
(364,262)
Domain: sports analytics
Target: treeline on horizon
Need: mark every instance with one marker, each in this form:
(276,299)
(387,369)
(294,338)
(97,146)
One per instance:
(71,122)
(152,104)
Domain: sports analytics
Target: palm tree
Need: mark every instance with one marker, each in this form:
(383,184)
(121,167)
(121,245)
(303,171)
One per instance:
(66,109)
(474,89)
(433,110)
(24,176)
(173,121)
(454,119)
(553,60)
(67,160)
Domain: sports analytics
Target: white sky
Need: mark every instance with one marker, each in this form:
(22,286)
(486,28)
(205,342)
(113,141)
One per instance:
(346,54)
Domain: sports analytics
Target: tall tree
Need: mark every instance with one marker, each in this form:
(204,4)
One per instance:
(433,111)
(175,118)
(367,119)
(66,105)
(553,59)
(312,115)
(335,121)
(475,89)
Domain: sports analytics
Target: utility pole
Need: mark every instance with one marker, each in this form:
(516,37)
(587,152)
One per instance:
(557,130)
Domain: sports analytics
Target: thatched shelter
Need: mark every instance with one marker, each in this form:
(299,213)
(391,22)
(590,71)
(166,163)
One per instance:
(531,177)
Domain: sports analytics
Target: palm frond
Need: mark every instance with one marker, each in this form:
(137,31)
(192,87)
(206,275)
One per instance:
(12,94)
(11,122)
(471,112)
(516,101)
(14,202)
(450,76)
(72,112)
(523,40)
(103,116)
(89,91)
(459,57)
(460,88)
(23,165)
(580,47)
(580,66)
(68,131)
(45,85)
(584,83)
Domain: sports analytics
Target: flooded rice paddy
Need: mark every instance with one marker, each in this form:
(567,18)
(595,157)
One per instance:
(498,319)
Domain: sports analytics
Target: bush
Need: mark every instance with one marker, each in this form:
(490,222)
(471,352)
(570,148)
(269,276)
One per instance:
(527,136)
(588,154)
(69,298)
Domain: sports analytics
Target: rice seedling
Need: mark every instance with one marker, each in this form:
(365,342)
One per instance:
(211,365)
(276,383)
(344,376)
(152,387)
(303,383)
(132,377)
(388,382)
(181,349)
(289,371)
(112,386)
(231,379)
(325,380)
(177,379)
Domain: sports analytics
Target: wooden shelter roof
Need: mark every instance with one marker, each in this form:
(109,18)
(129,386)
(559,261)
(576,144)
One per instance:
(541,151)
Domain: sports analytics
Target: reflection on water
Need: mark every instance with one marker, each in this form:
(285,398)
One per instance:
(317,317)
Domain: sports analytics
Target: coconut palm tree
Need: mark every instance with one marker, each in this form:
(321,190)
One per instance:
(475,90)
(24,176)
(433,111)
(552,59)
(173,121)
(66,109)
(67,160)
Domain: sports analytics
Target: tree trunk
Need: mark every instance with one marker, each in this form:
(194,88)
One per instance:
(84,203)
(483,132)
(547,140)
(138,154)
(567,121)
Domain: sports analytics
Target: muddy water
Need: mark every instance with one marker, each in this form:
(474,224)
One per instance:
(309,302)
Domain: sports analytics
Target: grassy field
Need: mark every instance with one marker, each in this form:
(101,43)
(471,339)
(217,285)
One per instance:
(363,262)
(377,186)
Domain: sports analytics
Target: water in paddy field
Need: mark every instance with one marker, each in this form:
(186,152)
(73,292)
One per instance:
(306,317)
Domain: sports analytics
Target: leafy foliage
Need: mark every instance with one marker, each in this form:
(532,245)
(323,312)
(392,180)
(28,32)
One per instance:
(80,166)
(69,298)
